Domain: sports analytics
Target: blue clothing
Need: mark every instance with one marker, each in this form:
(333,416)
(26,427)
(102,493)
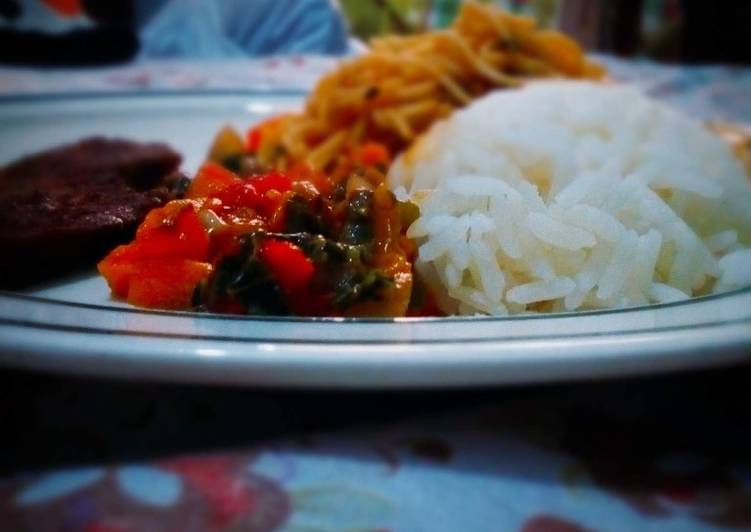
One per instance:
(238,28)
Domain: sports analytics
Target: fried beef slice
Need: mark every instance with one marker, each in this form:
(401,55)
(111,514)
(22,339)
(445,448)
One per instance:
(63,209)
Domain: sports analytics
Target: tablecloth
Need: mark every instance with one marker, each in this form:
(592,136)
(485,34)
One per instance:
(707,92)
(661,453)
(664,454)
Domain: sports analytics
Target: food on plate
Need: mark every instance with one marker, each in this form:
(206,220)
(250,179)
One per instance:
(295,217)
(544,196)
(403,84)
(273,243)
(65,208)
(574,195)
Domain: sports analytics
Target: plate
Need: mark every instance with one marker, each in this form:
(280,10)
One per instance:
(73,325)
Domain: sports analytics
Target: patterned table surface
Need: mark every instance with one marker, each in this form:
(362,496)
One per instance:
(668,453)
(716,92)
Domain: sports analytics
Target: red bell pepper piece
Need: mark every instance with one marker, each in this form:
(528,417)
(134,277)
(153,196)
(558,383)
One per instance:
(288,265)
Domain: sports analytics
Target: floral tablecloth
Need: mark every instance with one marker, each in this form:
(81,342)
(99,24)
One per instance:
(661,454)
(668,453)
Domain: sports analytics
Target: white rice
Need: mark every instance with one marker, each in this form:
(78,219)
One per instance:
(573,195)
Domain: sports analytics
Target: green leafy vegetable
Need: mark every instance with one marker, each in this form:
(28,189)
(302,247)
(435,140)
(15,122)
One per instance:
(358,227)
(243,278)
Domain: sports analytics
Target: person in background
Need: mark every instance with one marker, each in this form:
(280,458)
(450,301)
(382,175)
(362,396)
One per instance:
(226,28)
(91,32)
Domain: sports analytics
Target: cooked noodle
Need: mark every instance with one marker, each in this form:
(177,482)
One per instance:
(404,84)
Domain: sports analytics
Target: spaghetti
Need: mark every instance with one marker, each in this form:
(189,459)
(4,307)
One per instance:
(405,83)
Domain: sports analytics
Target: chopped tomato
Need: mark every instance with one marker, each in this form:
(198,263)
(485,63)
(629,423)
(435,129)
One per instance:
(116,271)
(240,195)
(211,179)
(262,192)
(165,215)
(271,188)
(271,181)
(166,233)
(155,283)
(166,283)
(162,266)
(185,237)
(288,264)
(174,230)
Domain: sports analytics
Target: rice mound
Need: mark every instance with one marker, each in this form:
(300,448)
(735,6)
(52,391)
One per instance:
(574,195)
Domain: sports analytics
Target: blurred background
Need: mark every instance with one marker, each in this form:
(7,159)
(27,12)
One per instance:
(79,32)
(668,30)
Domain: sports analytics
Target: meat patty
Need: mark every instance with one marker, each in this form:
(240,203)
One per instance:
(65,208)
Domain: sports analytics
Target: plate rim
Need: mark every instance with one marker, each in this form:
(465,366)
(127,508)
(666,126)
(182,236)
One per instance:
(9,294)
(401,362)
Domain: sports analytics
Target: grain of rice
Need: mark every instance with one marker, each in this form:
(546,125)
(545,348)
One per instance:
(664,293)
(541,291)
(722,241)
